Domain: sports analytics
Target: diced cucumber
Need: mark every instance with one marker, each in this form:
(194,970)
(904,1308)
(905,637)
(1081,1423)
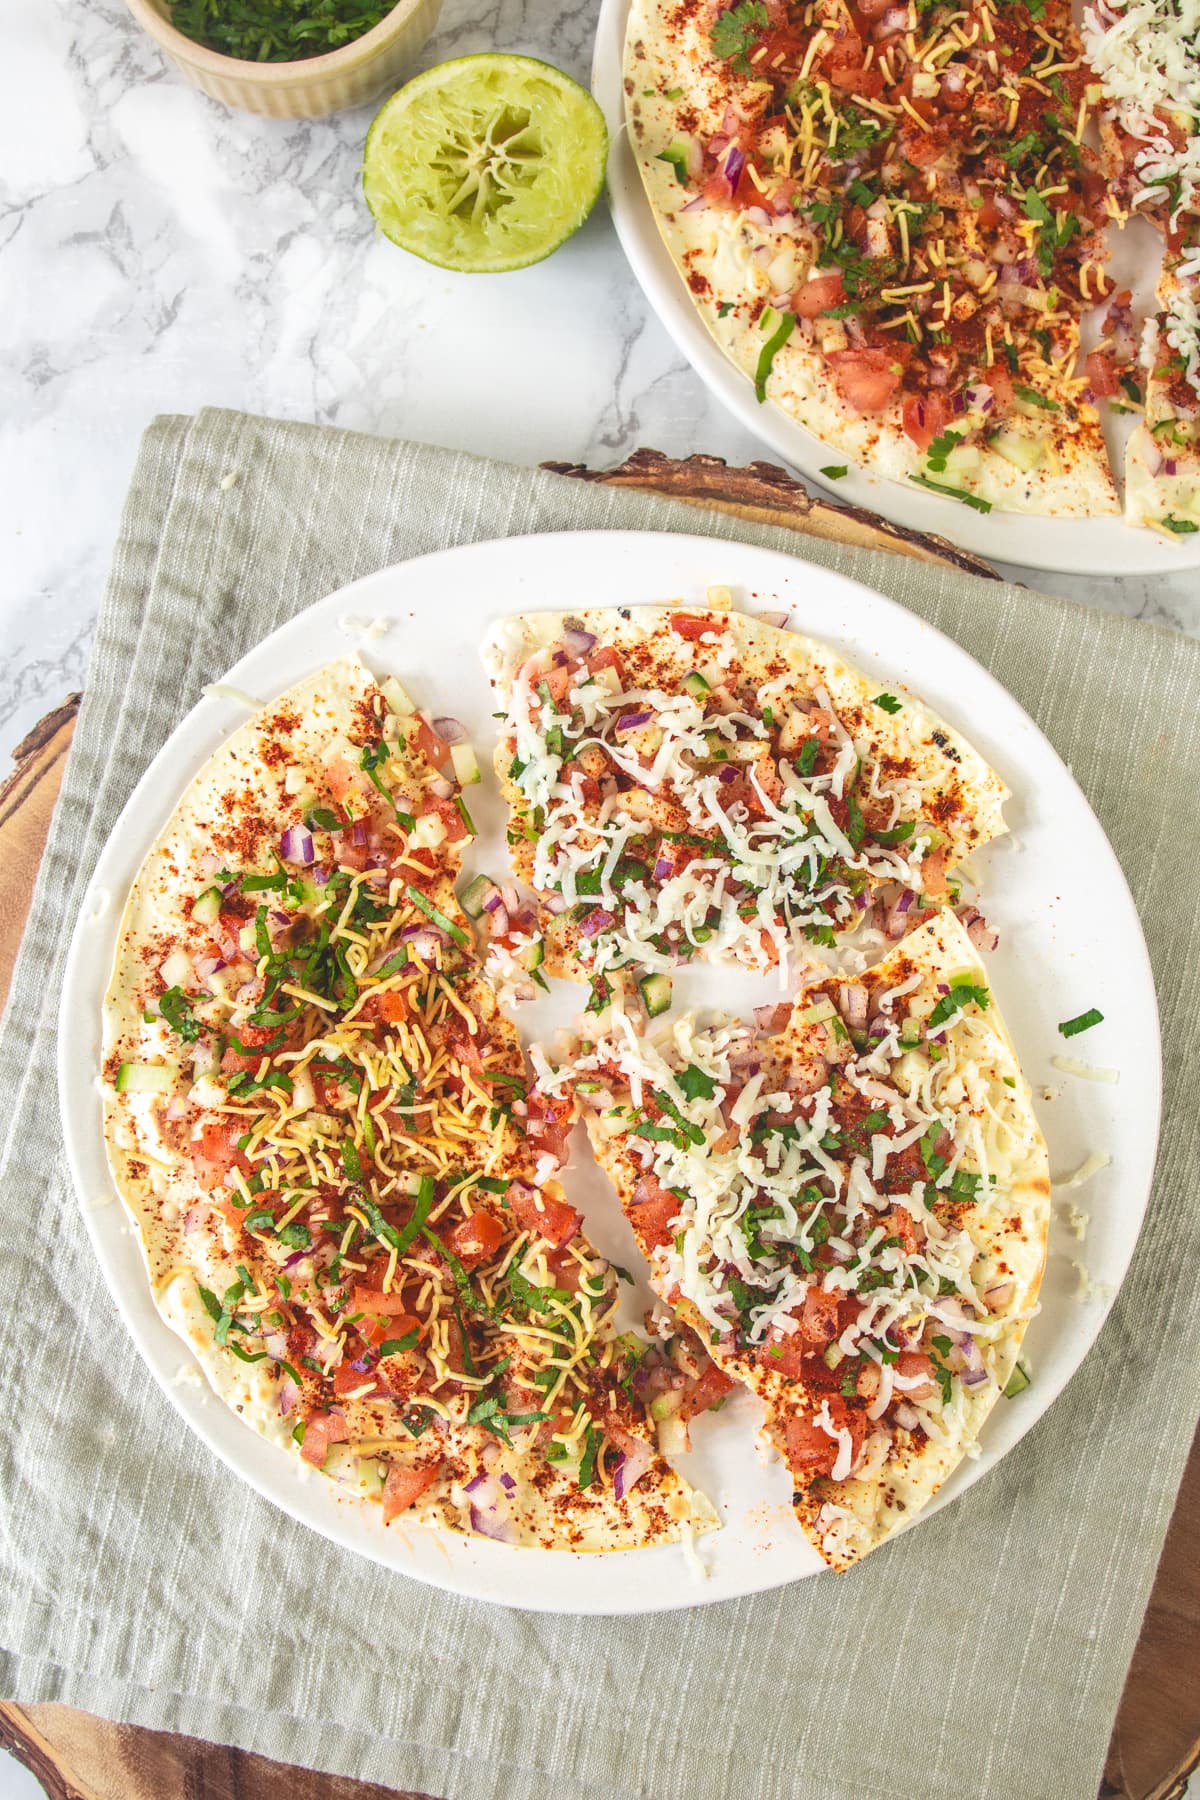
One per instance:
(607,677)
(177,969)
(587,1087)
(536,955)
(146,1078)
(1023,453)
(768,320)
(427,833)
(396,698)
(466,764)
(248,939)
(1017,1382)
(834,1355)
(818,1012)
(210,1093)
(656,994)
(695,685)
(206,907)
(475,893)
(719,598)
(663,1405)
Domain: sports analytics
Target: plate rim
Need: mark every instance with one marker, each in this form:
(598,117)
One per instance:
(1124,549)
(189,746)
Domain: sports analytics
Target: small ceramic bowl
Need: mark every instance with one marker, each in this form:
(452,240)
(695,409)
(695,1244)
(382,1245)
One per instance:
(298,90)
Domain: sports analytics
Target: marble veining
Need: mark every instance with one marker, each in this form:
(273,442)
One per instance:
(159,253)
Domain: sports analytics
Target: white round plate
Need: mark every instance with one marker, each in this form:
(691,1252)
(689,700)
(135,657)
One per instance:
(1070,939)
(1102,546)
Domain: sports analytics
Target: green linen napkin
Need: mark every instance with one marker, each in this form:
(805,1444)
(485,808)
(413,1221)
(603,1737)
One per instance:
(980,1655)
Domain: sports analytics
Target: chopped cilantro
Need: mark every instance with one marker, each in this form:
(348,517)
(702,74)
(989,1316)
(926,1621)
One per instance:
(890,704)
(1083,1022)
(735,33)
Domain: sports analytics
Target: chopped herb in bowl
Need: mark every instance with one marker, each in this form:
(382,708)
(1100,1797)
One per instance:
(276,30)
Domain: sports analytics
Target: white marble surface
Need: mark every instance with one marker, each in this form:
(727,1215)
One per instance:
(158,253)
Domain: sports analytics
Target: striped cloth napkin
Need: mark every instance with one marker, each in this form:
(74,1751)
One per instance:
(982,1654)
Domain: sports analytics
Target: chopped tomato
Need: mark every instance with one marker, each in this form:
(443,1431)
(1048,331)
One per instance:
(866,379)
(215,1154)
(390,1007)
(1101,372)
(689,626)
(548,1124)
(344,781)
(913,1366)
(925,417)
(811,1451)
(473,1240)
(431,745)
(654,1207)
(404,1487)
(542,1214)
(848,69)
(933,875)
(783,1352)
(351,1382)
(322,1430)
(385,1306)
(453,821)
(250,1035)
(817,296)
(607,658)
(819,1321)
(709,1390)
(899,1223)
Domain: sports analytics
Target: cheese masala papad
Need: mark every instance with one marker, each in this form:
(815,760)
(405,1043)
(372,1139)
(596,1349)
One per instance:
(849,1209)
(890,218)
(699,784)
(323,1128)
(1145,55)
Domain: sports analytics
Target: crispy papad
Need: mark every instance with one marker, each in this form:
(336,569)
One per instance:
(697,783)
(322,1127)
(850,1210)
(746,260)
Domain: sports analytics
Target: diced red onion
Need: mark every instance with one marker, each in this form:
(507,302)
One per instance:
(727,774)
(998,1296)
(296,846)
(776,619)
(958,404)
(289,1394)
(633,1465)
(510,896)
(697,205)
(907,1416)
(596,921)
(508,1483)
(361,1365)
(320,875)
(497,922)
(439,785)
(1170,467)
(578,641)
(489,1514)
(493,901)
(663,868)
(631,721)
(358,834)
(294,1258)
(852,1004)
(977,928)
(451,731)
(735,162)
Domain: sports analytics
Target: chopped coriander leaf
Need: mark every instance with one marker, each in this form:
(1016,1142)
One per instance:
(806,761)
(1181,527)
(770,349)
(735,32)
(176,1010)
(1082,1022)
(962,992)
(372,757)
(397,1346)
(439,918)
(889,704)
(953,493)
(835,471)
(695,1084)
(725,308)
(1033,398)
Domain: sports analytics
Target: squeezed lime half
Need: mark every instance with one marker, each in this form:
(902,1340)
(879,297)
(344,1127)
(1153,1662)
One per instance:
(485,163)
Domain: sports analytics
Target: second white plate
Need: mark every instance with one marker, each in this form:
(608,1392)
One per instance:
(1103,546)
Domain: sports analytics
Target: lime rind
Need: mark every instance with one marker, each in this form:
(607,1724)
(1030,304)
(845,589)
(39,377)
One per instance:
(485,163)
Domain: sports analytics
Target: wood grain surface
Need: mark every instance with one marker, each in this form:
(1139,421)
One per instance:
(1156,1739)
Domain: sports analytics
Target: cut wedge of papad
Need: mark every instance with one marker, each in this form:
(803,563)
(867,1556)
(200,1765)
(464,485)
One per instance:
(698,784)
(849,1208)
(322,1128)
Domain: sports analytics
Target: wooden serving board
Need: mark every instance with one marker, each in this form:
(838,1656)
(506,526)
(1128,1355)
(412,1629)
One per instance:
(76,1756)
